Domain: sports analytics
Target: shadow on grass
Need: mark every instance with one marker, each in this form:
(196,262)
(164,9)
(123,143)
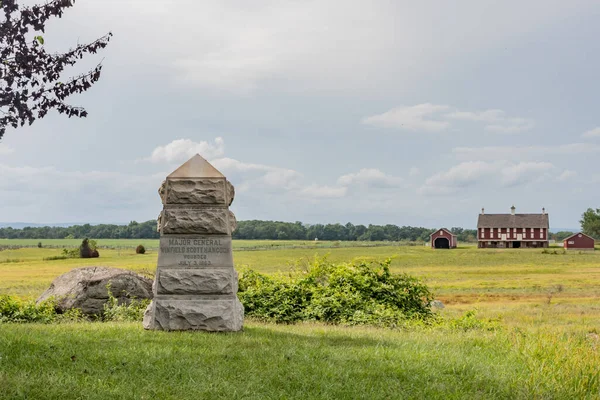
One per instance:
(96,360)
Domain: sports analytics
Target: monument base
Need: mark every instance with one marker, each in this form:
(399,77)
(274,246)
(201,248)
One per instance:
(223,315)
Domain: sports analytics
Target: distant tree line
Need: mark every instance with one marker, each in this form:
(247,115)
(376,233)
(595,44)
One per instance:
(135,230)
(253,230)
(266,230)
(274,230)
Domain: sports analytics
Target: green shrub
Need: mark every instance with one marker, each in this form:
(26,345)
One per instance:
(68,253)
(140,249)
(115,312)
(72,315)
(469,321)
(355,293)
(15,310)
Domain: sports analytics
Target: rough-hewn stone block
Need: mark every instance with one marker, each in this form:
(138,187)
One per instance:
(197,281)
(197,191)
(208,315)
(198,221)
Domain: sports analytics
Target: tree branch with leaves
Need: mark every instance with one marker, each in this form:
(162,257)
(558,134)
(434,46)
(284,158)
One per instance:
(31,82)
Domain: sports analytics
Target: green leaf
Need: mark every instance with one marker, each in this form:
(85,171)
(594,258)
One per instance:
(39,39)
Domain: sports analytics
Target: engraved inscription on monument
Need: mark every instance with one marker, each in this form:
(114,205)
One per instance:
(197,251)
(195,286)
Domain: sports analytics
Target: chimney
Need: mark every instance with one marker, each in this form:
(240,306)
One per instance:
(482,210)
(512,210)
(543,211)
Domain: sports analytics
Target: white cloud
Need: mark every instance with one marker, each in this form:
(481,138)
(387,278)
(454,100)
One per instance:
(457,177)
(414,171)
(524,172)
(482,116)
(369,177)
(229,164)
(592,133)
(496,120)
(181,150)
(523,152)
(323,192)
(428,117)
(566,175)
(472,173)
(257,174)
(5,150)
(511,125)
(415,118)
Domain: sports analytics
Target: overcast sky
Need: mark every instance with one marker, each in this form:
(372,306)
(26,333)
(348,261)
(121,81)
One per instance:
(402,112)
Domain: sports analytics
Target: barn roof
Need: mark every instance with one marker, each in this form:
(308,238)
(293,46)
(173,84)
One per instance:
(513,221)
(442,229)
(578,233)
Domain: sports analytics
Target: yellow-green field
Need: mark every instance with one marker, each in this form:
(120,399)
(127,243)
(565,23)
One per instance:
(527,288)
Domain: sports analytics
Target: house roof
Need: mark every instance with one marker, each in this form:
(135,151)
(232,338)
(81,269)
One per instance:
(513,221)
(579,233)
(442,229)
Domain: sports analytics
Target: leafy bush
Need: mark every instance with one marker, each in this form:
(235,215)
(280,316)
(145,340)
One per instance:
(68,253)
(355,293)
(39,245)
(469,321)
(140,249)
(14,310)
(115,312)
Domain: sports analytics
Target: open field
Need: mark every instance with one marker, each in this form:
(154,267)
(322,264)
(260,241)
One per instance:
(542,341)
(153,243)
(513,284)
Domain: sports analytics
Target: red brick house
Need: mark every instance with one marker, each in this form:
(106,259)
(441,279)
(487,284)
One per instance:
(512,231)
(442,239)
(579,241)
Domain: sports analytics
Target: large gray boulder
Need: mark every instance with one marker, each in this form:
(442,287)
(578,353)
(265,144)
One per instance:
(85,288)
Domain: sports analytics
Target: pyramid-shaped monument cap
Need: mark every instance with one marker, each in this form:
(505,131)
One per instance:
(196,167)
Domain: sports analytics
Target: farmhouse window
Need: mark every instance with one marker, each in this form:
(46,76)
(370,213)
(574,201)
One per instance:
(571,242)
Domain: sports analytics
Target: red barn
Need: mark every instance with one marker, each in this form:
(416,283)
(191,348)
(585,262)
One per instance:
(512,231)
(579,241)
(442,239)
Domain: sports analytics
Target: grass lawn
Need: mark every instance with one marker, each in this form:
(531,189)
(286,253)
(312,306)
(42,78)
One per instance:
(306,361)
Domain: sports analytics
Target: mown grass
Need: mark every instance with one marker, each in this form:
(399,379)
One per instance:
(306,361)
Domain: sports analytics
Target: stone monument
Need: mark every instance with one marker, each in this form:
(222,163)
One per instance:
(195,287)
